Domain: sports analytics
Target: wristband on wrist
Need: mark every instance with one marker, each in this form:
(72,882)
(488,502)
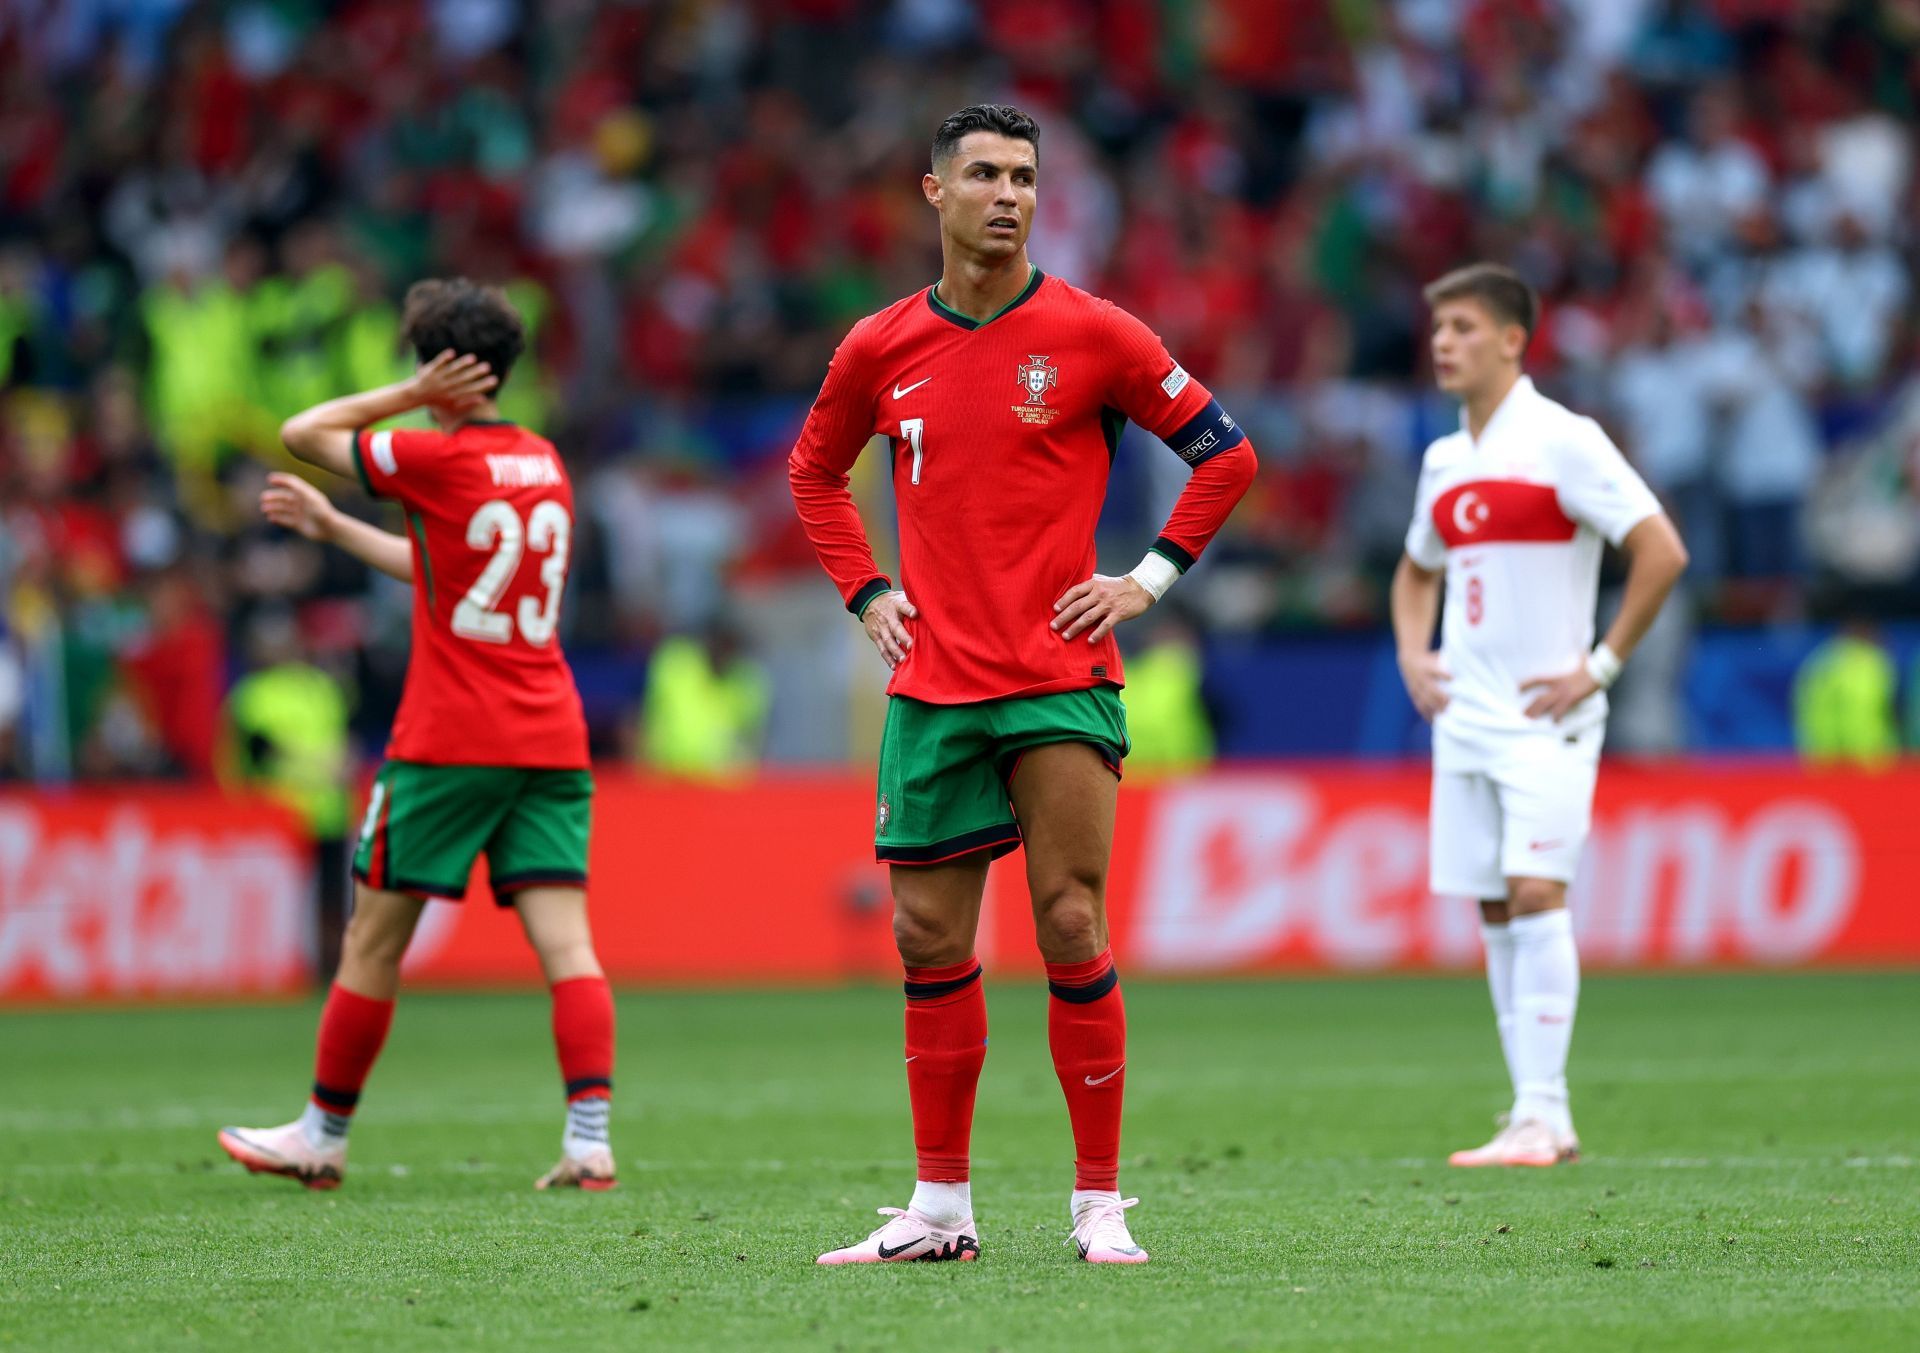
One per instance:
(1156,573)
(1603,665)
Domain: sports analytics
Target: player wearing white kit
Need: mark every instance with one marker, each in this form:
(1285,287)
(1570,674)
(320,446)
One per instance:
(1512,511)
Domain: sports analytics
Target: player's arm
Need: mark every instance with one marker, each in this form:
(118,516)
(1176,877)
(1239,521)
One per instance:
(292,502)
(1656,557)
(835,433)
(1598,487)
(1414,601)
(1155,392)
(323,435)
(1655,560)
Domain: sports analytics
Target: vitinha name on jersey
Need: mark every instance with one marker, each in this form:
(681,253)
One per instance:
(522,472)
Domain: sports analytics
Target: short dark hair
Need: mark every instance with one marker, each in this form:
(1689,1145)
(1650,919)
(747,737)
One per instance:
(1003,118)
(1500,289)
(470,318)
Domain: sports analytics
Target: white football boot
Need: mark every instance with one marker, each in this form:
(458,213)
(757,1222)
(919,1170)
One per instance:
(908,1236)
(1528,1142)
(286,1151)
(1100,1232)
(592,1171)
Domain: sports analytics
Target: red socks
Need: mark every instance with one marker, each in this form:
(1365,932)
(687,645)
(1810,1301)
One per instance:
(352,1029)
(583,1036)
(1087,1030)
(946,1046)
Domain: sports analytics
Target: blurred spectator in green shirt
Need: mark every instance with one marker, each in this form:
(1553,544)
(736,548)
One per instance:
(285,734)
(705,708)
(1166,717)
(203,379)
(1843,701)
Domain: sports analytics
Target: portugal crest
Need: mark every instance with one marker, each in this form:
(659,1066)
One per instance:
(882,817)
(1037,377)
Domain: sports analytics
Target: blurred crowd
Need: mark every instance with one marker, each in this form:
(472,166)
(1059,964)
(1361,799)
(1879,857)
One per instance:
(208,211)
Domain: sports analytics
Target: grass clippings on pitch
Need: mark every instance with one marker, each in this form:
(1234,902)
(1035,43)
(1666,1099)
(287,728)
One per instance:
(1751,1179)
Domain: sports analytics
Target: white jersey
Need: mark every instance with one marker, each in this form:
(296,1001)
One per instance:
(1517,519)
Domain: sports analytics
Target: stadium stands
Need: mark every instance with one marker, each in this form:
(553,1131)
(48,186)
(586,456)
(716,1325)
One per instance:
(207,212)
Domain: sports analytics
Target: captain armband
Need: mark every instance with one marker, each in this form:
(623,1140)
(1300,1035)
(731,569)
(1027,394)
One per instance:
(1205,435)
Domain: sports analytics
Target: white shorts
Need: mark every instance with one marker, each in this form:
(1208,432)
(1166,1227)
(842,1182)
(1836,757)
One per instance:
(1523,815)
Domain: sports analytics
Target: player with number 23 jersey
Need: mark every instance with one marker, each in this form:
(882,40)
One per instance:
(488,758)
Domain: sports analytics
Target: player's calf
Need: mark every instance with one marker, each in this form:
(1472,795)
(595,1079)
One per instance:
(583,1030)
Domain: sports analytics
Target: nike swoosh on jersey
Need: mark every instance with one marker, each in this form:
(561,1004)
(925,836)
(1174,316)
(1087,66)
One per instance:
(1109,1076)
(898,393)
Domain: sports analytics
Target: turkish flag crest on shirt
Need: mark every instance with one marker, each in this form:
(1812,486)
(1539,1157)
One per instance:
(1501,511)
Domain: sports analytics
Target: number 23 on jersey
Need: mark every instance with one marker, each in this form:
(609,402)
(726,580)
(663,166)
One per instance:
(496,526)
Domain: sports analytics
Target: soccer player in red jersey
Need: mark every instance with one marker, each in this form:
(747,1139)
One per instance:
(489,749)
(1002,393)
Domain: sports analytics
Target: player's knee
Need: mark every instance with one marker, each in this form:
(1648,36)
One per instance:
(1068,920)
(566,959)
(928,941)
(1526,897)
(370,944)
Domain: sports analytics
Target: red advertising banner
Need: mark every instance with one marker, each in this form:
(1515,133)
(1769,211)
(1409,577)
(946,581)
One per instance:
(1268,870)
(1687,866)
(122,894)
(127,894)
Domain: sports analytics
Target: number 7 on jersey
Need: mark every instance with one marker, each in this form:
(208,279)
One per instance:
(914,430)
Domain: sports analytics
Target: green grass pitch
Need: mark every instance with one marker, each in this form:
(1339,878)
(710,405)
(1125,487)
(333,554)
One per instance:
(1751,1179)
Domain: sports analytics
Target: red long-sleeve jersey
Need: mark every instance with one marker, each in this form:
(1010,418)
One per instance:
(1002,434)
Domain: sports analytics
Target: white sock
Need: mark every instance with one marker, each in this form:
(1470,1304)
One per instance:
(587,1126)
(1546,989)
(324,1129)
(1085,1198)
(1499,945)
(943,1200)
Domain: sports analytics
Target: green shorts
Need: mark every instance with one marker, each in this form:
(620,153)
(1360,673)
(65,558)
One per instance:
(944,769)
(426,825)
